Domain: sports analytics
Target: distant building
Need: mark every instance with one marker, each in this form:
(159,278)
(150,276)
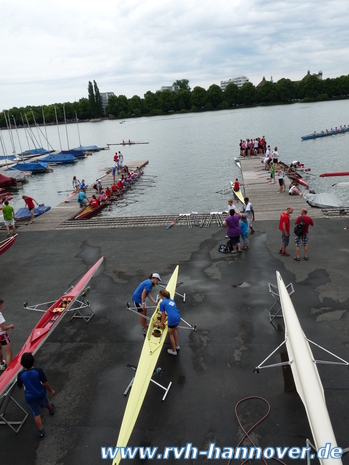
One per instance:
(105,97)
(264,81)
(318,75)
(170,88)
(238,81)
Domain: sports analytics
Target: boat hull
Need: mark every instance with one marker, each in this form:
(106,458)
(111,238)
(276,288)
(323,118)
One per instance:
(7,243)
(306,375)
(45,326)
(149,356)
(337,173)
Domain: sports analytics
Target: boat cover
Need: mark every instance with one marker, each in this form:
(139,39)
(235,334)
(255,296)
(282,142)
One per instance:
(39,151)
(6,181)
(323,200)
(87,148)
(24,213)
(34,167)
(59,158)
(7,157)
(75,152)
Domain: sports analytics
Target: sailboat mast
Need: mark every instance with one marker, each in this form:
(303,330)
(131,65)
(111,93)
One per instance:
(25,131)
(43,119)
(9,128)
(59,137)
(36,125)
(19,141)
(77,124)
(65,122)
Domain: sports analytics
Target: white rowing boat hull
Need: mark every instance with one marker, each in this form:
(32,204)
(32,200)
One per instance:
(306,376)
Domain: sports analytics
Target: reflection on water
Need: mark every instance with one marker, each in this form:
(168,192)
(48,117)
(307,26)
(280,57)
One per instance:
(192,155)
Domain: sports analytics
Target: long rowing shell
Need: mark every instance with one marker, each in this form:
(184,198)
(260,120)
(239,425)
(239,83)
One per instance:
(45,326)
(7,243)
(338,173)
(150,353)
(306,375)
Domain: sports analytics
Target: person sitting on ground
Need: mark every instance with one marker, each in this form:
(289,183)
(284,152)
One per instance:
(294,189)
(169,312)
(35,382)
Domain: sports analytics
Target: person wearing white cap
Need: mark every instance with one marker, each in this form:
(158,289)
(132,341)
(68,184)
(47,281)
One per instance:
(139,296)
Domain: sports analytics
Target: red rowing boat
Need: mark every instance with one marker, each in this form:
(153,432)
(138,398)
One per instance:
(7,243)
(338,173)
(45,326)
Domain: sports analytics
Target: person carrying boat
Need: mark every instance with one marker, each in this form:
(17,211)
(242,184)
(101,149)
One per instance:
(169,311)
(5,342)
(35,382)
(29,202)
(139,296)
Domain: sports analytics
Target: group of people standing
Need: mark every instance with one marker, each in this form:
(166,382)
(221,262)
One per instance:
(8,213)
(300,239)
(238,225)
(252,146)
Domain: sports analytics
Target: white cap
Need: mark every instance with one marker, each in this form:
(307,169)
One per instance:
(156,275)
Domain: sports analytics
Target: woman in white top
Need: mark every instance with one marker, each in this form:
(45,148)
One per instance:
(275,157)
(76,184)
(282,179)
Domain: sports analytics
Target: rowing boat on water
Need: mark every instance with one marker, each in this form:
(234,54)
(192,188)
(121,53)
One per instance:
(336,173)
(48,322)
(129,143)
(152,346)
(237,193)
(324,134)
(7,243)
(306,376)
(89,211)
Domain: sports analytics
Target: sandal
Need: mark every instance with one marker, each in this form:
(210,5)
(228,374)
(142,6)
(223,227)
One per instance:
(297,259)
(305,258)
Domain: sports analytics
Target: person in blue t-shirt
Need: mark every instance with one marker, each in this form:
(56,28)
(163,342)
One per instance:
(169,311)
(140,294)
(35,386)
(244,231)
(82,199)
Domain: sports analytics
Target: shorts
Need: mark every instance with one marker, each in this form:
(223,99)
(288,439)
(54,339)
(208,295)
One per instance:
(174,326)
(139,307)
(4,339)
(301,239)
(275,160)
(234,240)
(244,239)
(9,222)
(37,403)
(281,181)
(285,239)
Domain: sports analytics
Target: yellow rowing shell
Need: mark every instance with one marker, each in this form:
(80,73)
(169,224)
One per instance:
(150,353)
(238,193)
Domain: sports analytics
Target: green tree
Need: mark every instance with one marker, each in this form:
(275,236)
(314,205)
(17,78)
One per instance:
(150,102)
(98,100)
(214,95)
(92,100)
(248,94)
(135,105)
(267,93)
(286,90)
(182,99)
(167,101)
(84,110)
(198,97)
(309,87)
(231,94)
(182,83)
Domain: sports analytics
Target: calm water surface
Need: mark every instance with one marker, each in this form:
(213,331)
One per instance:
(192,155)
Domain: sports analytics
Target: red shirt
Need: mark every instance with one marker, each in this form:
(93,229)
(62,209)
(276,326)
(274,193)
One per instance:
(284,218)
(307,220)
(107,192)
(114,188)
(119,185)
(116,158)
(29,202)
(94,202)
(236,186)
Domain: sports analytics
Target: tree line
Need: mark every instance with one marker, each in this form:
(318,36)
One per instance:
(309,89)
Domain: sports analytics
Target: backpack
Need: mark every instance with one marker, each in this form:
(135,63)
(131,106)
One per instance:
(224,248)
(299,229)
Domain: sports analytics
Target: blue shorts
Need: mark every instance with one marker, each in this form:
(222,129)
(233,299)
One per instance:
(36,404)
(244,239)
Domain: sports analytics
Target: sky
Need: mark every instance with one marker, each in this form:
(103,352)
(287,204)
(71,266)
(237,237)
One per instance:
(51,49)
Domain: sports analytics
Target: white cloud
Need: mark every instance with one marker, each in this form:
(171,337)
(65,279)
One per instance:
(51,49)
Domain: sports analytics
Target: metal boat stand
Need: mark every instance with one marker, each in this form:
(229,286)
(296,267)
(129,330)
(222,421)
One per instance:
(274,292)
(77,307)
(5,400)
(157,372)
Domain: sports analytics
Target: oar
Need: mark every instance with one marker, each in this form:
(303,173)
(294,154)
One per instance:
(173,222)
(196,221)
(61,192)
(203,220)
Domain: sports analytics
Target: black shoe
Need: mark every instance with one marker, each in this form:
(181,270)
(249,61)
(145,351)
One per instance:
(41,433)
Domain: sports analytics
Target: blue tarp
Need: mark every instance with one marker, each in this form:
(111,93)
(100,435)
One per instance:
(34,167)
(88,148)
(39,151)
(58,158)
(24,213)
(76,153)
(8,157)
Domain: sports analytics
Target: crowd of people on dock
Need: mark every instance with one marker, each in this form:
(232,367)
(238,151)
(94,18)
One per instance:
(255,146)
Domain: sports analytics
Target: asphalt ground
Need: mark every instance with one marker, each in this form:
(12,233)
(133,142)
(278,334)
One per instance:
(226,296)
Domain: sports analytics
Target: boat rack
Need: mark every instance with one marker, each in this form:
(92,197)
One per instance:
(81,307)
(157,372)
(274,292)
(5,400)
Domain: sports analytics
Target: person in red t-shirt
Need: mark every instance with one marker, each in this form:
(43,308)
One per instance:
(108,192)
(29,202)
(284,227)
(94,202)
(303,239)
(120,185)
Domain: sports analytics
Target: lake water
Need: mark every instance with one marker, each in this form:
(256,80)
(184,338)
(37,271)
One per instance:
(192,155)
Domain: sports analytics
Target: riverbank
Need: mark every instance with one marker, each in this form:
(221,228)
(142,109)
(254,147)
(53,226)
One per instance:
(226,296)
